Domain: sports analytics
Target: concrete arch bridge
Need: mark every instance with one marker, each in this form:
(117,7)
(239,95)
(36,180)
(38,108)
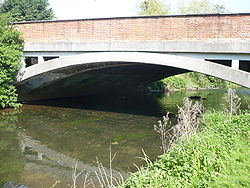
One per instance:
(72,58)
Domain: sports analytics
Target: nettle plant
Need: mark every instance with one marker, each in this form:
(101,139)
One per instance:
(11,45)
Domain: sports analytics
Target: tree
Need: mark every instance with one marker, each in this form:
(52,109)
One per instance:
(220,9)
(200,7)
(153,7)
(11,45)
(27,10)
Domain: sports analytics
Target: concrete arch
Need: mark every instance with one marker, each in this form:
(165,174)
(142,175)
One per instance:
(42,75)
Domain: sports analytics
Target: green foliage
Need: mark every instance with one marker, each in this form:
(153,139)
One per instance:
(10,59)
(170,83)
(218,156)
(200,7)
(175,82)
(219,9)
(205,81)
(27,10)
(153,7)
(192,80)
(157,85)
(159,7)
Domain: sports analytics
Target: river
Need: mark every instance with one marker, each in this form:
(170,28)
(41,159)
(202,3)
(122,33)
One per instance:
(40,142)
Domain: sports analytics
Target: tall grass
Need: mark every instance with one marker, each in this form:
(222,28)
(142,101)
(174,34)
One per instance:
(106,178)
(216,156)
(232,103)
(187,125)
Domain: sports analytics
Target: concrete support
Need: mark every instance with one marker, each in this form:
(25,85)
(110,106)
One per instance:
(235,64)
(22,65)
(21,70)
(40,59)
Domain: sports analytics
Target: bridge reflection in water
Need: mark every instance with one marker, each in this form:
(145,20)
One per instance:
(59,164)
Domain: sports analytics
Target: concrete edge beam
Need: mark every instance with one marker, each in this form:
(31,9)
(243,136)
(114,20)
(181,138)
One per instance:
(213,46)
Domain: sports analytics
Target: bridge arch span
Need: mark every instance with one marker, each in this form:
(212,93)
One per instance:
(95,72)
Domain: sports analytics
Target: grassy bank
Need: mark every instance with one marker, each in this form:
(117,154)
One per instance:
(188,81)
(217,156)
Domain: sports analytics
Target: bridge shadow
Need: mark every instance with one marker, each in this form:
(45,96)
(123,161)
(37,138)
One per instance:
(147,104)
(133,103)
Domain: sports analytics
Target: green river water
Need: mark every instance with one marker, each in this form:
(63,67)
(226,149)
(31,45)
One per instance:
(40,143)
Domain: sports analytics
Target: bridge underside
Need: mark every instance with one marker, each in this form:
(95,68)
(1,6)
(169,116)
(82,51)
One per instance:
(96,73)
(79,80)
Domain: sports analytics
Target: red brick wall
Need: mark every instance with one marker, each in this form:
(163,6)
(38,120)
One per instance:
(202,27)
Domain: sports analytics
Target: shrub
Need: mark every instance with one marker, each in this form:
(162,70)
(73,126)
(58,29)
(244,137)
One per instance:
(10,60)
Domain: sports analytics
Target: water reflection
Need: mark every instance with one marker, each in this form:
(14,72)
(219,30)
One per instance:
(11,159)
(40,143)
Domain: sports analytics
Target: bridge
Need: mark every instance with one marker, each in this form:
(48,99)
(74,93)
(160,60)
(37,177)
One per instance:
(69,58)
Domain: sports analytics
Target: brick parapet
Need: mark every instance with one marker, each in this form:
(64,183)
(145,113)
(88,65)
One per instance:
(179,28)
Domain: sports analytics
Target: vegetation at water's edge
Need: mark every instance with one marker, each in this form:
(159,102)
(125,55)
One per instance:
(188,81)
(218,156)
(11,45)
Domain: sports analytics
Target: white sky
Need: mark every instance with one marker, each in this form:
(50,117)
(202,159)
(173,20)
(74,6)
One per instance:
(76,9)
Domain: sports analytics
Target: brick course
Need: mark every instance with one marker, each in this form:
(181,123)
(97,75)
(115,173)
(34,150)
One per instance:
(189,27)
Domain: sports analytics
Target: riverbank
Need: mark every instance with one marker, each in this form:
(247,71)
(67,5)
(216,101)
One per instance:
(218,156)
(189,81)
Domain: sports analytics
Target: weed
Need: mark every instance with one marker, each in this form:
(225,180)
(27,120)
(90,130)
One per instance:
(187,125)
(75,175)
(188,119)
(233,103)
(162,129)
(106,178)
